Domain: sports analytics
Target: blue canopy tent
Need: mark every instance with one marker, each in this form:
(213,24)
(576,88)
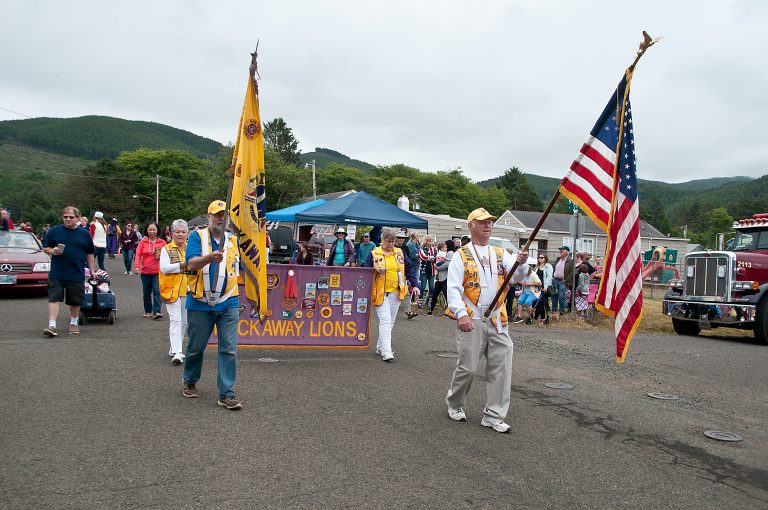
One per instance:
(363,209)
(289,213)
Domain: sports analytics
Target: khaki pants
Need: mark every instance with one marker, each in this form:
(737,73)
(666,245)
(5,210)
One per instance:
(497,349)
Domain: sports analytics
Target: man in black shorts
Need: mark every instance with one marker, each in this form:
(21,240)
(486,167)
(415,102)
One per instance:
(70,248)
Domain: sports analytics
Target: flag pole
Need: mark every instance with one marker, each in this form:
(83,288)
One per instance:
(252,71)
(231,172)
(535,231)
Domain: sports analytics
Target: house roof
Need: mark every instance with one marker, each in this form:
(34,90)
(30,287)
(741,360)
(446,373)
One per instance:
(558,222)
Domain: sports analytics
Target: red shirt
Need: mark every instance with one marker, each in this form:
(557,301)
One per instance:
(146,262)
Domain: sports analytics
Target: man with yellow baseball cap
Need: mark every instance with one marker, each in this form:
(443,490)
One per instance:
(213,262)
(474,277)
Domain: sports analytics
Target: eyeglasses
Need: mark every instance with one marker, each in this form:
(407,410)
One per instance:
(68,217)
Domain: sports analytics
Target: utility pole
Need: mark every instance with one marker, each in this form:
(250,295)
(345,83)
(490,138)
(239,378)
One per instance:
(314,185)
(157,200)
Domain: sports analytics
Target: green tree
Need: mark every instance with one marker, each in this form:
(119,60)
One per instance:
(719,221)
(179,174)
(278,136)
(338,177)
(521,196)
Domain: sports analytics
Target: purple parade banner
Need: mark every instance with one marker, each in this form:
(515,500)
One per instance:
(310,307)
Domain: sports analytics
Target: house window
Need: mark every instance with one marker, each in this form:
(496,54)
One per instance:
(582,244)
(587,245)
(506,221)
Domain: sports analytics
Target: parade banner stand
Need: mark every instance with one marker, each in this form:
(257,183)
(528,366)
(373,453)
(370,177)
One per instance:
(310,307)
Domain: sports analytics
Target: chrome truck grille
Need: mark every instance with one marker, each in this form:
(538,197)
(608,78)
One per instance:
(708,276)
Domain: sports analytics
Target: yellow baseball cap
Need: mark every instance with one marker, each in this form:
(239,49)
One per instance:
(216,206)
(480,214)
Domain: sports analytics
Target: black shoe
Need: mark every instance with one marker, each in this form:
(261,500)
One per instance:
(411,315)
(517,320)
(430,313)
(528,321)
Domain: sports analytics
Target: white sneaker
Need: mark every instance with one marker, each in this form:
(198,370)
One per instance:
(178,359)
(378,350)
(388,356)
(495,424)
(457,414)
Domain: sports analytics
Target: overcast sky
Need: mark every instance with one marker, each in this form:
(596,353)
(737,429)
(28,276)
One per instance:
(438,85)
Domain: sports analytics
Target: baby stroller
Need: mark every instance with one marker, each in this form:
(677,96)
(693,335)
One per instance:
(99,302)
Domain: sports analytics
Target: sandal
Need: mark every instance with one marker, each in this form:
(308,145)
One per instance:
(158,316)
(147,315)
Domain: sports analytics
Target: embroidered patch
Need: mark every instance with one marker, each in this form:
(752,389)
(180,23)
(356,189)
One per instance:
(272,280)
(251,128)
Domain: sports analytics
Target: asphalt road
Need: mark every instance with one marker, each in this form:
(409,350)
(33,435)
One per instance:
(98,421)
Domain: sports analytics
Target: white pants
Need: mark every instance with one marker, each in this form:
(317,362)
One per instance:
(387,313)
(497,348)
(177,317)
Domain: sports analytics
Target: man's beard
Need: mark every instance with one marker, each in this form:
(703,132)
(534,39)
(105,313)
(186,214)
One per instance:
(216,229)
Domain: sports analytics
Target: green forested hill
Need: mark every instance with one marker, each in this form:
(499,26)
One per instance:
(94,137)
(324,157)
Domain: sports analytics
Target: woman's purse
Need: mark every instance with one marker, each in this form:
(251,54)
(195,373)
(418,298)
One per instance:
(552,291)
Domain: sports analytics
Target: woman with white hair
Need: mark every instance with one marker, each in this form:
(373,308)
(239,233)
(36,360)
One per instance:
(173,287)
(390,286)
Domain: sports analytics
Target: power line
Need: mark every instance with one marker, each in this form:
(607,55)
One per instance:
(17,113)
(134,178)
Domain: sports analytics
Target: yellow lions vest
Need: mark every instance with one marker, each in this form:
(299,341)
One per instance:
(471,282)
(229,270)
(173,285)
(378,279)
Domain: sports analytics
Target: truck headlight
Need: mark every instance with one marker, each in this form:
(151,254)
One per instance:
(676,283)
(41,267)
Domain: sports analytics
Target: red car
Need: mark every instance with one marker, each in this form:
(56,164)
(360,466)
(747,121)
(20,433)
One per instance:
(23,265)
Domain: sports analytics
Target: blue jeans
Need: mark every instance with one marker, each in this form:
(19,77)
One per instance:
(150,285)
(128,260)
(99,253)
(427,282)
(199,328)
(560,296)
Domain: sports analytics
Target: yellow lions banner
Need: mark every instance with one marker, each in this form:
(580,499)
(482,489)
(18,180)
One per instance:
(248,206)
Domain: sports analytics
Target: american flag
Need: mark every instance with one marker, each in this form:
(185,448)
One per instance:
(606,187)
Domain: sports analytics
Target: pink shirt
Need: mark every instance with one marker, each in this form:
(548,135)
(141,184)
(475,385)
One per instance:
(146,262)
(559,269)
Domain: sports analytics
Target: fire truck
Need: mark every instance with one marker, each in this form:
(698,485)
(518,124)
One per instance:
(724,289)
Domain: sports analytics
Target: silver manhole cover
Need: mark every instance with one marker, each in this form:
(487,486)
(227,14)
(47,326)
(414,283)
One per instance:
(268,360)
(722,436)
(558,385)
(663,396)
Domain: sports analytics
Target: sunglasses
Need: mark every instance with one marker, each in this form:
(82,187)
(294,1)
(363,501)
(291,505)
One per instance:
(541,257)
(68,217)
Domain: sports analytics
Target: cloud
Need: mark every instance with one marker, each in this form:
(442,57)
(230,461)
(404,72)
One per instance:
(433,84)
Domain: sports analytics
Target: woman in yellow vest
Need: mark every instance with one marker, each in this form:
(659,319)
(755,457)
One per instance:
(173,287)
(390,286)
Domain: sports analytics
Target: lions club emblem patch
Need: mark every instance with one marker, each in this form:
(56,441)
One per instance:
(251,129)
